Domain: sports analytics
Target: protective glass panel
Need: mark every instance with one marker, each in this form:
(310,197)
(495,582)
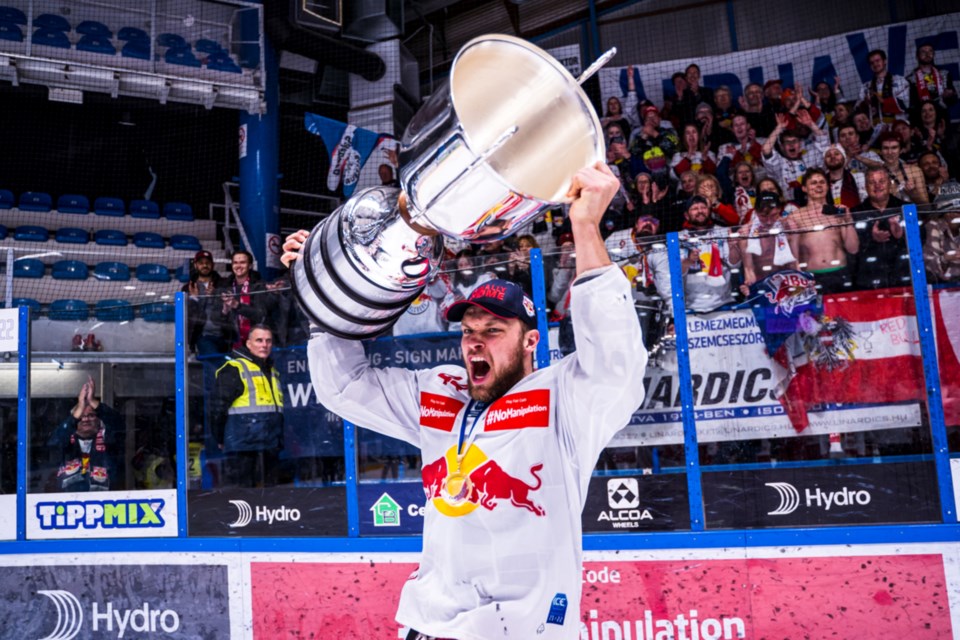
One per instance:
(640,483)
(807,374)
(265,458)
(940,230)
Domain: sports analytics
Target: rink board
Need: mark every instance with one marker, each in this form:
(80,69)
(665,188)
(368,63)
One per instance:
(837,591)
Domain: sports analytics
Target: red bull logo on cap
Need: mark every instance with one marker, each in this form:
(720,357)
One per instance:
(489,486)
(438,412)
(520,411)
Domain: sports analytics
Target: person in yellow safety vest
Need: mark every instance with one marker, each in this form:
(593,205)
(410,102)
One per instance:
(248,412)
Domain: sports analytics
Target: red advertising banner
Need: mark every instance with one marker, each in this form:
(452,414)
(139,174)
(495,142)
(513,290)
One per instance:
(840,597)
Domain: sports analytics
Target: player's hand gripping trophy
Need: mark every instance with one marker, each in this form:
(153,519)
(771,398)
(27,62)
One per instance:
(484,155)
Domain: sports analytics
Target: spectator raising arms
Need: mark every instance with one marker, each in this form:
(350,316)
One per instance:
(90,444)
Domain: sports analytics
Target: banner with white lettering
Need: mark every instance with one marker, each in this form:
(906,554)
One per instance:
(64,598)
(734,385)
(807,62)
(102,514)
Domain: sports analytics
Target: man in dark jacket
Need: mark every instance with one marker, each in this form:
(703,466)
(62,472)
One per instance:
(89,442)
(242,296)
(882,260)
(206,328)
(248,412)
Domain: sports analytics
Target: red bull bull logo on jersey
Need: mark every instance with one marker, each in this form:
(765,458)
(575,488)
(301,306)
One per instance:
(487,484)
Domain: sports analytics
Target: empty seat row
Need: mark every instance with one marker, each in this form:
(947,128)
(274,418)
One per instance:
(78,270)
(104,206)
(113,310)
(106,237)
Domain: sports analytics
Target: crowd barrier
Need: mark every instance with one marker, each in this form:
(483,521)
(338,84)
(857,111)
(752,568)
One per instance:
(794,457)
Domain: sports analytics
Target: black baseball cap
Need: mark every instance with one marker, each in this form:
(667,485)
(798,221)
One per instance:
(767,199)
(502,298)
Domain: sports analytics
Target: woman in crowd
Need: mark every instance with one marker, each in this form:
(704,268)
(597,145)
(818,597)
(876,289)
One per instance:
(930,127)
(723,214)
(769,184)
(615,115)
(693,154)
(744,189)
(651,198)
(842,115)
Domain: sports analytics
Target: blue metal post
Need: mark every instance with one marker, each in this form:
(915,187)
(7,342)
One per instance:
(23,418)
(690,448)
(260,165)
(180,381)
(732,26)
(540,302)
(595,51)
(350,471)
(931,371)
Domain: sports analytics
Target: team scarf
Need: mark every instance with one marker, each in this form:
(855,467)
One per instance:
(882,102)
(782,254)
(848,195)
(926,80)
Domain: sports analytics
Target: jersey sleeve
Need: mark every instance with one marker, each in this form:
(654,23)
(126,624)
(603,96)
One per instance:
(383,400)
(601,384)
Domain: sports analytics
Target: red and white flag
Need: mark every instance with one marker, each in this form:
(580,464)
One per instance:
(885,366)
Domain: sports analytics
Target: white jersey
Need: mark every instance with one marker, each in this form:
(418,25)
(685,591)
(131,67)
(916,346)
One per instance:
(505,560)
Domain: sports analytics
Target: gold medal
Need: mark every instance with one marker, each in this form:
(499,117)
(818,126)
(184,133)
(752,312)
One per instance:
(457,488)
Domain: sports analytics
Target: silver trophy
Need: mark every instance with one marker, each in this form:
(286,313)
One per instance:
(488,152)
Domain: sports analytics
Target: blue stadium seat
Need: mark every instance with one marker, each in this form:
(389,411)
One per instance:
(6,199)
(70,270)
(3,232)
(104,206)
(14,15)
(31,233)
(10,31)
(148,240)
(73,203)
(158,312)
(51,38)
(185,242)
(35,201)
(182,57)
(72,235)
(136,49)
(111,238)
(68,310)
(113,311)
(51,21)
(144,209)
(96,44)
(130,34)
(223,62)
(33,305)
(153,273)
(28,268)
(205,45)
(94,28)
(116,271)
(172,40)
(178,211)
(182,273)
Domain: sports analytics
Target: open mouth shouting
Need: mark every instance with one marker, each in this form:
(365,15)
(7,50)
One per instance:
(479,369)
